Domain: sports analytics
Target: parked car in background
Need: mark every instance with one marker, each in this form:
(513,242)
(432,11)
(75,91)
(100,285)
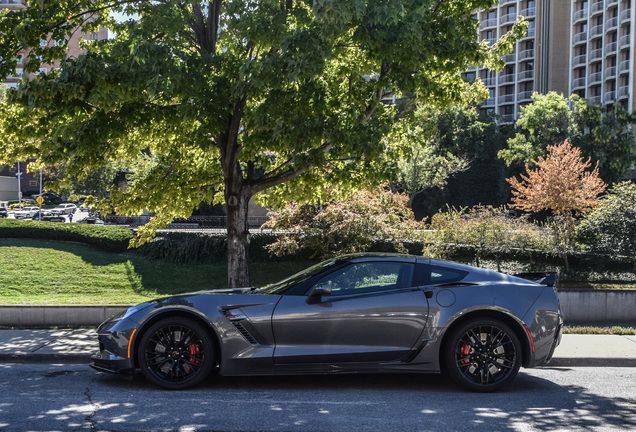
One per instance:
(26,212)
(50,217)
(65,208)
(91,221)
(3,212)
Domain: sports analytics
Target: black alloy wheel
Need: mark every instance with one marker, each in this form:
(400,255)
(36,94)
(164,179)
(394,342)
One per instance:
(483,355)
(176,353)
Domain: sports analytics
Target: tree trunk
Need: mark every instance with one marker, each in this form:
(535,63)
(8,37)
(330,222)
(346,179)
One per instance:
(238,238)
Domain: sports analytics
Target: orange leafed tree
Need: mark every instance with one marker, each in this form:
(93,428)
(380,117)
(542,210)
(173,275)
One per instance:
(560,183)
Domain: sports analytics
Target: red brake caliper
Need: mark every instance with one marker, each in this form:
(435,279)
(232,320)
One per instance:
(194,349)
(465,350)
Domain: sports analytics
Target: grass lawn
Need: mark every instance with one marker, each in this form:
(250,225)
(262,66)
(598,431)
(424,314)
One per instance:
(54,272)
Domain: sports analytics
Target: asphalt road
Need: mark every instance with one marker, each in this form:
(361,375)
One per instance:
(42,397)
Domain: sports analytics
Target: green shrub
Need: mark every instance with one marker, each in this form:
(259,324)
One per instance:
(110,238)
(611,228)
(490,231)
(190,247)
(346,226)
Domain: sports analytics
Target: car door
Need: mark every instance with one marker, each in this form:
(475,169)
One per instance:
(367,312)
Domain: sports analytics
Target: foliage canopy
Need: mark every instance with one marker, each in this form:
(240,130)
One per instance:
(602,133)
(559,183)
(220,101)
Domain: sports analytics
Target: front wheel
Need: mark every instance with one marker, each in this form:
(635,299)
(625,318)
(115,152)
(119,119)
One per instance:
(483,355)
(176,353)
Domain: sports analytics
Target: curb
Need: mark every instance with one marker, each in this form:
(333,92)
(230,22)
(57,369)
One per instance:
(45,358)
(590,362)
(564,362)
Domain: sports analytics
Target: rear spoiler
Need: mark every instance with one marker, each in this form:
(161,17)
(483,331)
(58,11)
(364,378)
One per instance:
(544,278)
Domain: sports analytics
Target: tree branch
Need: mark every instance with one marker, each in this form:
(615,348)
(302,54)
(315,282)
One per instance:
(384,71)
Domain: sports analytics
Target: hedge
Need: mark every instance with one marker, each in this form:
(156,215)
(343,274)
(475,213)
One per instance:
(110,238)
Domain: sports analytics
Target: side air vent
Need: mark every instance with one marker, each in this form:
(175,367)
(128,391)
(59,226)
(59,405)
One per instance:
(235,316)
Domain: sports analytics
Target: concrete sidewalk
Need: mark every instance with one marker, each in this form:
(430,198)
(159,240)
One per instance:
(76,346)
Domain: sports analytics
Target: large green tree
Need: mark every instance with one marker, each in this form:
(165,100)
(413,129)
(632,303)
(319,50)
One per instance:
(602,133)
(223,100)
(473,141)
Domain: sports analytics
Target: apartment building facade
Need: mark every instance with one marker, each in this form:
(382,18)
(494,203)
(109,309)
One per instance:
(583,47)
(12,174)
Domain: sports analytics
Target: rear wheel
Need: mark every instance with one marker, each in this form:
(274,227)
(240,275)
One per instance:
(176,353)
(483,355)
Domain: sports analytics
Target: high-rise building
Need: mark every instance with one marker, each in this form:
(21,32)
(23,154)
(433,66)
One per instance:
(602,51)
(583,47)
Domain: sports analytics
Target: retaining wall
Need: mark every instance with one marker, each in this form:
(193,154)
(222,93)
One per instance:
(606,306)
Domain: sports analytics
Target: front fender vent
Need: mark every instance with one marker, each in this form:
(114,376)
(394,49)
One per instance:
(235,317)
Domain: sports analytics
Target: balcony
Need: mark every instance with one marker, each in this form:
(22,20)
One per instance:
(609,73)
(610,48)
(623,67)
(529,33)
(507,19)
(625,16)
(526,54)
(597,54)
(580,15)
(490,102)
(611,23)
(594,99)
(609,97)
(596,31)
(528,12)
(526,75)
(597,7)
(609,3)
(595,78)
(580,37)
(524,96)
(507,79)
(507,118)
(503,2)
(578,84)
(579,60)
(624,41)
(506,99)
(492,22)
(510,58)
(489,81)
(623,92)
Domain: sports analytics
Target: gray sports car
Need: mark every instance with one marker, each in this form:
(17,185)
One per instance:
(364,313)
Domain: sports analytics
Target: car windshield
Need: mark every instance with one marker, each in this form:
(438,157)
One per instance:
(287,284)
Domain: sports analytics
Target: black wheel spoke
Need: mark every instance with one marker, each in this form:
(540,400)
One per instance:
(485,354)
(175,354)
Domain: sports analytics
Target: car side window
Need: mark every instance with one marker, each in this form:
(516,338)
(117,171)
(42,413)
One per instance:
(369,277)
(436,275)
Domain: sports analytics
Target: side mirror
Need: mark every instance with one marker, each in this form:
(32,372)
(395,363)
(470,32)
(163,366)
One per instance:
(318,291)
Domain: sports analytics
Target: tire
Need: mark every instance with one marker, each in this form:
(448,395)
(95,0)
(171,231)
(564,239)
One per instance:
(176,353)
(483,355)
